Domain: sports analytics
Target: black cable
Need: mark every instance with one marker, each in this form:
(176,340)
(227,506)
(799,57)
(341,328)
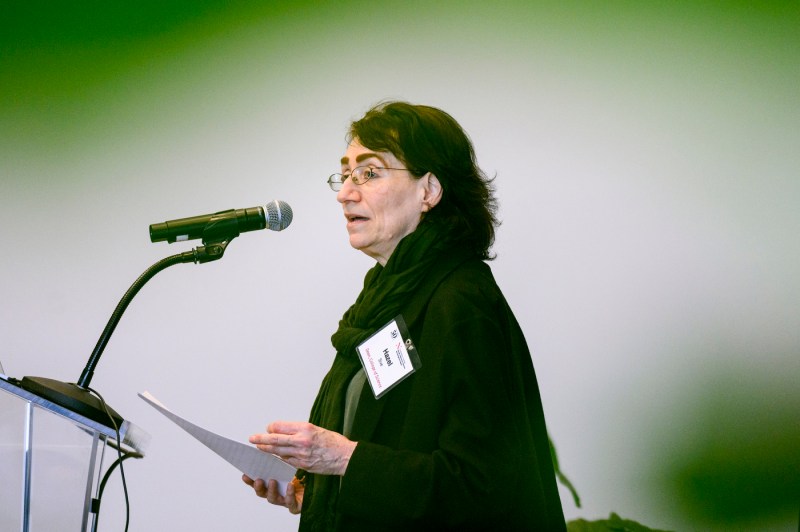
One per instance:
(96,502)
(120,459)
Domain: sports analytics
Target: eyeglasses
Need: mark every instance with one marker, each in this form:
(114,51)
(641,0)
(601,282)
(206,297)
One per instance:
(359,176)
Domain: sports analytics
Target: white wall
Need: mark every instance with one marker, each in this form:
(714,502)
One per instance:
(646,164)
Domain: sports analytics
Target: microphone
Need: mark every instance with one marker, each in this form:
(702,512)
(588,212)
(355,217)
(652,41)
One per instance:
(224,224)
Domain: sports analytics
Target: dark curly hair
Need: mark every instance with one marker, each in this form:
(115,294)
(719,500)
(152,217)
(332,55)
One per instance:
(427,139)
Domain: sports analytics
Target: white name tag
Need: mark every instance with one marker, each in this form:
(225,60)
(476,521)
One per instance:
(388,356)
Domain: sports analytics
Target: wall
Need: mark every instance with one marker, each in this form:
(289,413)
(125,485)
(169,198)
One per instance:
(646,158)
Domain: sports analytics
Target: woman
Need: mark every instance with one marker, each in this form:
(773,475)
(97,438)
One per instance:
(460,442)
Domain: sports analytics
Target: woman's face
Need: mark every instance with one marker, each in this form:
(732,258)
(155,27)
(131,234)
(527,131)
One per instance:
(383,210)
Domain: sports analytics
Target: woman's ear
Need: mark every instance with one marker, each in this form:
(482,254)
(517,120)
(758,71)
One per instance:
(432,191)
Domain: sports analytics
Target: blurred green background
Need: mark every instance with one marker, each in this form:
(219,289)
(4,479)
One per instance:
(647,156)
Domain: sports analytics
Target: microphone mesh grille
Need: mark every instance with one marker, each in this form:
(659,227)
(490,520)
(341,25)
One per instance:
(279,215)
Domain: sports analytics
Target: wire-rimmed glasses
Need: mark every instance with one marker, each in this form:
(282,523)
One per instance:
(359,175)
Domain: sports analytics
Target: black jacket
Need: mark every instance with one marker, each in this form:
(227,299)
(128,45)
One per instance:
(461,444)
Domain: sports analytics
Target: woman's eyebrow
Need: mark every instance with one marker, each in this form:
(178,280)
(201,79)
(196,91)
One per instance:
(362,157)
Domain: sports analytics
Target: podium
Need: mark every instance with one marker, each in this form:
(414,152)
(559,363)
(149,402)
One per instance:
(51,460)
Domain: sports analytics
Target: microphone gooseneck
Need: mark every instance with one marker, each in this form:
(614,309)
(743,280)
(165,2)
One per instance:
(216,230)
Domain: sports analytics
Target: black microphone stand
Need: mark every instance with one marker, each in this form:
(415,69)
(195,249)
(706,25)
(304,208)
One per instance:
(77,397)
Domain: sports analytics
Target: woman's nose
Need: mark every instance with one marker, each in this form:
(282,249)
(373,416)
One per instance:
(348,192)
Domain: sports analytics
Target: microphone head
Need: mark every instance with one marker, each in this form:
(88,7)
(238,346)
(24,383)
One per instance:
(278,215)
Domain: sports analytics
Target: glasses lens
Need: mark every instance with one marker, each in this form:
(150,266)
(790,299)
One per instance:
(335,182)
(362,174)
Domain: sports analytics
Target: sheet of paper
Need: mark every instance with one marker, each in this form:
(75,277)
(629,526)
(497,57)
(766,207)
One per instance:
(243,456)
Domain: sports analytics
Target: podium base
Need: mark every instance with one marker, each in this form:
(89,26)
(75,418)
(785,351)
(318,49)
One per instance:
(72,397)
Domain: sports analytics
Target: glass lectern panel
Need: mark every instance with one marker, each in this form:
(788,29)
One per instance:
(48,460)
(12,433)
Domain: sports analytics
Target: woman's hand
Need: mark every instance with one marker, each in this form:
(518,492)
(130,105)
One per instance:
(306,446)
(293,500)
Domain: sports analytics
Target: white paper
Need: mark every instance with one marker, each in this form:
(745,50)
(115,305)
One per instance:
(244,457)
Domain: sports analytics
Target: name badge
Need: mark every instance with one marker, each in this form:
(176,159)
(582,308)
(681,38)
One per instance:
(388,356)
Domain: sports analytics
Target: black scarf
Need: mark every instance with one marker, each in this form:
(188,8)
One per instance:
(386,290)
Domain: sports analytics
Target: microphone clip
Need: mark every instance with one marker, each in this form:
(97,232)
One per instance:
(217,234)
(210,251)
